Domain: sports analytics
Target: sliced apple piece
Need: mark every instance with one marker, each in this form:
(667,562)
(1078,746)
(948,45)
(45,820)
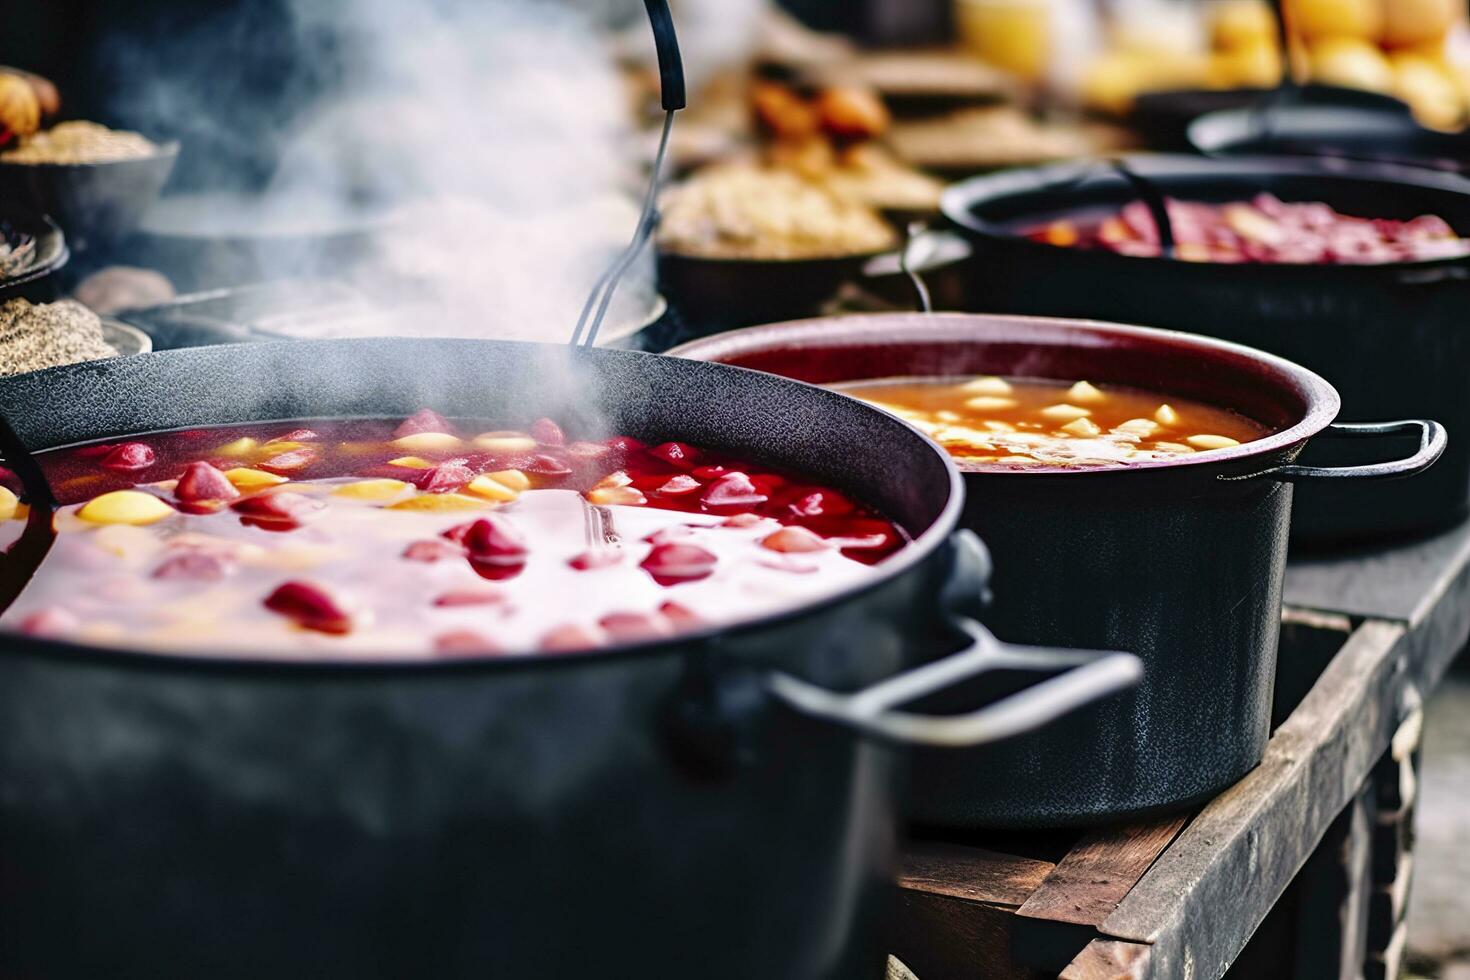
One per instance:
(125,507)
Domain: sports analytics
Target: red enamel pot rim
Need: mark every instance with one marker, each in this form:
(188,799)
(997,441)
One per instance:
(1309,401)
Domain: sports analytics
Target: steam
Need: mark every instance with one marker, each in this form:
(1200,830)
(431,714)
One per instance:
(486,142)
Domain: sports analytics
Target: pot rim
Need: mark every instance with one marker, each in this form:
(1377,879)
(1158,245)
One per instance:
(1322,400)
(920,549)
(959,199)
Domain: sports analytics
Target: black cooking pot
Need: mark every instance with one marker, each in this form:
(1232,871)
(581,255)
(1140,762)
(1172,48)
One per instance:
(711,805)
(34,279)
(1182,559)
(1363,132)
(1390,338)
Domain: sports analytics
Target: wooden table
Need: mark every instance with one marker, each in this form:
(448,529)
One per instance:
(1300,869)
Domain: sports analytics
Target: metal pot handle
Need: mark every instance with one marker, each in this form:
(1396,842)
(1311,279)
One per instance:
(1432,442)
(1087,677)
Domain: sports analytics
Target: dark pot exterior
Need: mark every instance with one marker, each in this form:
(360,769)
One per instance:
(650,810)
(1182,564)
(1390,339)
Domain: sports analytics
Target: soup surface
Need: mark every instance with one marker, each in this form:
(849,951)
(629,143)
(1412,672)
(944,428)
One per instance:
(1026,422)
(375,538)
(1264,229)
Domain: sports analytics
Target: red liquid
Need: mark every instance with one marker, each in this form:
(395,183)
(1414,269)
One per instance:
(270,541)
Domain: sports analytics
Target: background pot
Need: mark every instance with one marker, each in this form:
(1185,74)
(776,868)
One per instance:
(1179,560)
(705,806)
(1390,338)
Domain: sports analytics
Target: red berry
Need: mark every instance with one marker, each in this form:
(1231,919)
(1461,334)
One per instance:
(203,482)
(279,511)
(424,420)
(671,564)
(310,607)
(677,454)
(290,462)
(732,491)
(547,432)
(448,475)
(129,457)
(679,617)
(678,486)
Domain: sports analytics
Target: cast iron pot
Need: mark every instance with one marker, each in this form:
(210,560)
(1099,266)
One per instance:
(1180,560)
(1390,338)
(711,805)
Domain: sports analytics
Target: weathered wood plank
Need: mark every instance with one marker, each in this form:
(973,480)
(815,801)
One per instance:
(1108,959)
(1402,583)
(972,874)
(1087,885)
(944,938)
(1245,847)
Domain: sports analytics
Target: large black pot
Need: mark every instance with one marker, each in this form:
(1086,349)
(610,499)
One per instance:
(711,805)
(1390,338)
(1182,559)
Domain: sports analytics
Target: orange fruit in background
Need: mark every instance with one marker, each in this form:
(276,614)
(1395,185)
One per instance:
(1408,22)
(1428,89)
(1320,19)
(1352,63)
(1239,24)
(20,110)
(1255,65)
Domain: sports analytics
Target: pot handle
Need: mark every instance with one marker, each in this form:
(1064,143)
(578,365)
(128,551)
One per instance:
(1086,676)
(1432,442)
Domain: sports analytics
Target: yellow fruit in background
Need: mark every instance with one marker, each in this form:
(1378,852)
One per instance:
(1351,63)
(1314,19)
(1428,89)
(1414,21)
(1436,49)
(1238,24)
(1253,66)
(1115,78)
(20,110)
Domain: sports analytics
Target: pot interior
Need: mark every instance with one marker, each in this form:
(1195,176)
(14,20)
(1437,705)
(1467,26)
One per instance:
(1290,401)
(1008,203)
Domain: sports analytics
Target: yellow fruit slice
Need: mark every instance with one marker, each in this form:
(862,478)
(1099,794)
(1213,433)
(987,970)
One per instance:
(124,507)
(505,442)
(514,479)
(439,502)
(483,486)
(411,463)
(371,489)
(8,503)
(429,442)
(240,447)
(245,478)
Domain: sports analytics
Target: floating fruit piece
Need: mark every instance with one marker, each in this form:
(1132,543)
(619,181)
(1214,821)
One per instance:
(1165,415)
(1137,427)
(987,386)
(590,560)
(677,454)
(993,425)
(610,496)
(1064,412)
(275,447)
(411,463)
(1206,441)
(431,551)
(505,442)
(428,442)
(671,564)
(794,540)
(203,482)
(678,486)
(732,490)
(250,479)
(490,489)
(129,458)
(744,520)
(494,541)
(468,597)
(8,503)
(464,642)
(457,533)
(424,420)
(590,453)
(990,403)
(628,627)
(278,511)
(132,544)
(449,475)
(680,617)
(194,566)
(292,461)
(625,444)
(243,446)
(548,467)
(1082,428)
(297,435)
(51,621)
(1085,393)
(565,639)
(821,503)
(371,489)
(514,479)
(310,607)
(547,432)
(125,507)
(439,502)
